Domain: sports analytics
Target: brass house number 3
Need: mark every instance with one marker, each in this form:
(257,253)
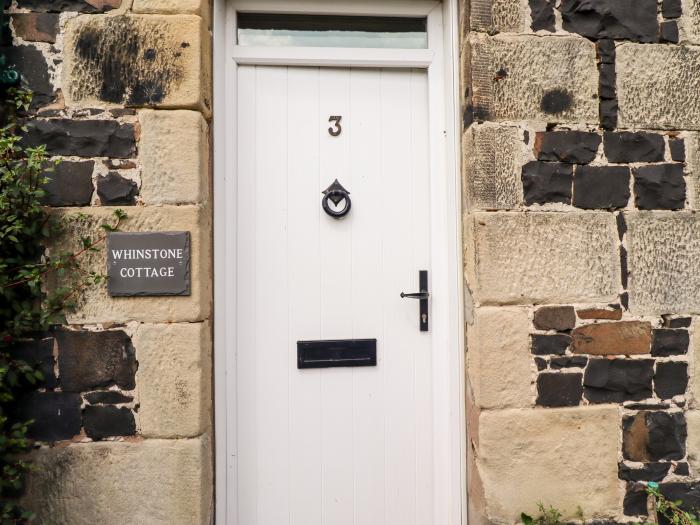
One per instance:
(336,129)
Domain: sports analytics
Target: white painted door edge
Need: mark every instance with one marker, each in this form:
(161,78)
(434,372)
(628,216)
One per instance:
(447,283)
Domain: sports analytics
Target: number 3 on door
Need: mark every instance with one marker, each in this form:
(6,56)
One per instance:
(335,131)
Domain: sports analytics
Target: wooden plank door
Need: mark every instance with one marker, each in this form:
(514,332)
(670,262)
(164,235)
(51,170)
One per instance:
(332,446)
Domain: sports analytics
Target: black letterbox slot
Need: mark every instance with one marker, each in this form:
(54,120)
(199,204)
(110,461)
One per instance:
(340,352)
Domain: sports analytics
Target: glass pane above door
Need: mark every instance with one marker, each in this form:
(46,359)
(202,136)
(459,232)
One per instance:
(263,29)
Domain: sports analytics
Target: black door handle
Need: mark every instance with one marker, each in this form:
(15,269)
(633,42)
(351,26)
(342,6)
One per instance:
(422,297)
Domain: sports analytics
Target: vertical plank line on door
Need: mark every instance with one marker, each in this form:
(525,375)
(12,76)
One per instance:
(414,259)
(287,268)
(352,302)
(381,262)
(320,313)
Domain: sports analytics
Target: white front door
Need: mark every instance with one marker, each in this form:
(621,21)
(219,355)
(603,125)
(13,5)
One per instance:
(332,446)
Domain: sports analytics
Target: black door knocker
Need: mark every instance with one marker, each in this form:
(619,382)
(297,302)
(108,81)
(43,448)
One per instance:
(336,193)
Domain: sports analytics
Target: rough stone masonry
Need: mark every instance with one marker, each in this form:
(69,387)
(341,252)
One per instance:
(122,97)
(582,242)
(581,181)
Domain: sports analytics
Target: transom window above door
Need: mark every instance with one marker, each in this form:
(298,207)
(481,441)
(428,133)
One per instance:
(272,29)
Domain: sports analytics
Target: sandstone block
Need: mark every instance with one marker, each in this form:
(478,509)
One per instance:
(498,16)
(174,155)
(171,7)
(554,318)
(498,360)
(665,96)
(692,419)
(492,158)
(174,379)
(158,482)
(36,27)
(95,305)
(600,313)
(550,79)
(623,338)
(160,61)
(543,258)
(663,248)
(567,454)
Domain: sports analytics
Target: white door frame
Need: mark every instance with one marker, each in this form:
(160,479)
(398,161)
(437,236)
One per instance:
(441,61)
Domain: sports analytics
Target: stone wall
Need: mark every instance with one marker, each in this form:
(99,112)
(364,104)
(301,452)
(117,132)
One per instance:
(122,97)
(582,250)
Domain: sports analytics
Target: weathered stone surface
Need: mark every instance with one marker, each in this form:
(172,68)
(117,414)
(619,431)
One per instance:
(663,248)
(681,469)
(550,344)
(174,155)
(140,60)
(512,254)
(107,397)
(576,361)
(540,363)
(671,8)
(554,318)
(38,353)
(574,147)
(551,79)
(108,421)
(82,138)
(692,418)
(606,50)
(671,379)
(170,7)
(669,342)
(548,446)
(659,187)
(620,19)
(31,64)
(669,32)
(113,189)
(547,182)
(665,96)
(159,482)
(648,472)
(677,147)
(633,147)
(654,436)
(635,501)
(542,15)
(174,379)
(601,187)
(600,313)
(559,390)
(623,338)
(56,415)
(70,184)
(59,6)
(35,27)
(492,164)
(608,113)
(678,322)
(95,306)
(87,360)
(618,380)
(607,82)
